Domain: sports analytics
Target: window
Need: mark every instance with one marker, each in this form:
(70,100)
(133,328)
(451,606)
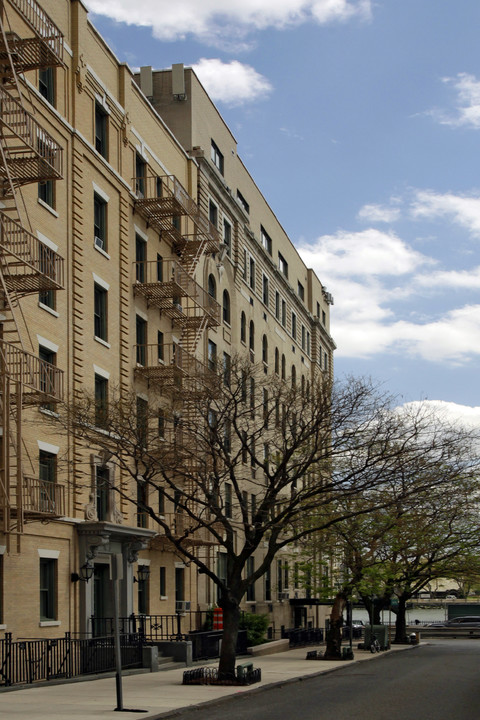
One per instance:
(283,367)
(243,203)
(99,222)
(142,595)
(304,337)
(250,597)
(159,268)
(142,502)
(245,266)
(213,213)
(264,349)
(243,328)
(163,581)
(160,346)
(47,266)
(227,236)
(226,307)
(252,397)
(102,491)
(265,407)
(266,240)
(301,291)
(140,259)
(324,318)
(228,500)
(268,584)
(46,192)
(140,175)
(47,470)
(277,305)
(212,355)
(308,343)
(101,124)
(277,362)
(282,265)
(212,287)
(141,337)
(222,561)
(46,84)
(101,400)
(253,506)
(252,273)
(284,313)
(227,364)
(265,290)
(216,157)
(48,572)
(47,372)
(251,341)
(294,326)
(294,376)
(100,312)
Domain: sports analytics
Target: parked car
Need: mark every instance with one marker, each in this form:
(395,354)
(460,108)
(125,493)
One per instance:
(466,621)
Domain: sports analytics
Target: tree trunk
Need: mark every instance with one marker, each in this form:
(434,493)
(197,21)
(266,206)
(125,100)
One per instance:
(231,621)
(334,635)
(401,621)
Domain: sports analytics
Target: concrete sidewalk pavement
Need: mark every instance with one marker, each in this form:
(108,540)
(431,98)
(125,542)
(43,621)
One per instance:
(155,693)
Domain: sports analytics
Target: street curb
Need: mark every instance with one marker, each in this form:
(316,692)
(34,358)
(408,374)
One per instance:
(272,686)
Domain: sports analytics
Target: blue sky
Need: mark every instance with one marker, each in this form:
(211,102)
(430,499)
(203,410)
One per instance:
(360,122)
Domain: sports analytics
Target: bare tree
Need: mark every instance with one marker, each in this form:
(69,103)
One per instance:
(308,453)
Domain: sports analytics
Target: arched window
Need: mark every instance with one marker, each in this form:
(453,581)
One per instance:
(277,362)
(243,328)
(264,349)
(284,371)
(212,287)
(294,375)
(226,307)
(252,336)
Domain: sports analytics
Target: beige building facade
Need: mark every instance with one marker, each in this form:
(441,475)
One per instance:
(106,179)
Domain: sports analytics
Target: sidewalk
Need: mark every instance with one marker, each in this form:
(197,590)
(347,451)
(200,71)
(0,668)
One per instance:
(157,693)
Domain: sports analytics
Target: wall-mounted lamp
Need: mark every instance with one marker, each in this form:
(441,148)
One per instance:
(143,573)
(85,573)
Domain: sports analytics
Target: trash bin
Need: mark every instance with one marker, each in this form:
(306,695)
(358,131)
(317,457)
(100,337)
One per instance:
(381,633)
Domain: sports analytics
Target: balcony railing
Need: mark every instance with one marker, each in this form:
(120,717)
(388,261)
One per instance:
(160,198)
(168,286)
(168,361)
(32,154)
(42,25)
(32,266)
(42,497)
(37,376)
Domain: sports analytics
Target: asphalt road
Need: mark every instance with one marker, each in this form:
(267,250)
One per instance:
(438,681)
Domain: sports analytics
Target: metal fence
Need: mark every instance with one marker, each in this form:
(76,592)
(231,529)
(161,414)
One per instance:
(30,660)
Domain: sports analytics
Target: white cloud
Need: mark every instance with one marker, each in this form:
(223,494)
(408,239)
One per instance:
(467,112)
(454,279)
(232,83)
(449,411)
(464,211)
(215,21)
(366,253)
(378,213)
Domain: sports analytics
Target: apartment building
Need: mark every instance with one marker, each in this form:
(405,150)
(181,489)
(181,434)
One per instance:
(113,185)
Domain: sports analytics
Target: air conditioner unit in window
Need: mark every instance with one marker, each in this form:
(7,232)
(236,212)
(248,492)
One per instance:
(182,606)
(285,595)
(99,242)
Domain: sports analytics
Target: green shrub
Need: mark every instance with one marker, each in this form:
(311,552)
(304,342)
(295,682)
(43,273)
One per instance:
(256,627)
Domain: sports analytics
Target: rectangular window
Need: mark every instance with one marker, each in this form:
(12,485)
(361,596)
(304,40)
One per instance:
(284,313)
(251,588)
(279,580)
(227,364)
(163,581)
(216,157)
(252,273)
(324,318)
(265,290)
(47,384)
(266,240)
(48,572)
(101,400)
(282,265)
(277,304)
(140,175)
(141,338)
(213,213)
(100,312)
(47,266)
(268,584)
(160,346)
(245,264)
(99,222)
(140,259)
(142,501)
(243,203)
(301,291)
(47,466)
(101,124)
(253,506)
(212,355)
(222,563)
(102,491)
(304,337)
(228,500)
(46,192)
(159,268)
(308,343)
(46,84)
(227,236)
(142,596)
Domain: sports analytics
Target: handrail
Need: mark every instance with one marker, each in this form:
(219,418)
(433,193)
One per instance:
(43,496)
(41,24)
(33,372)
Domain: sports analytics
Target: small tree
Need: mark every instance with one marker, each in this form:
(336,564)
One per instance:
(308,453)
